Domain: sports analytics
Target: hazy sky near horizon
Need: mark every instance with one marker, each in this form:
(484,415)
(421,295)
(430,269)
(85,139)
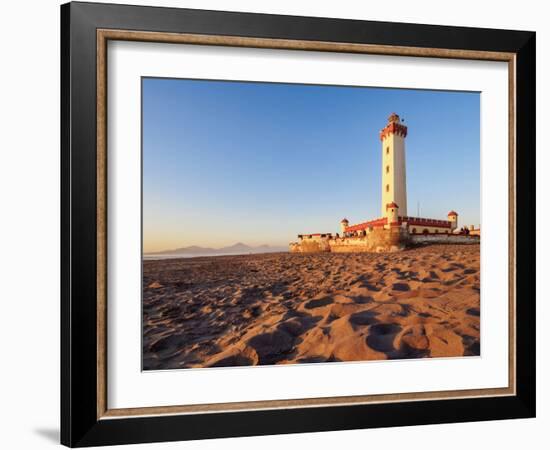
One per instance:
(259,163)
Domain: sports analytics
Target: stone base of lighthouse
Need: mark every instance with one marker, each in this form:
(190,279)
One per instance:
(392,239)
(389,239)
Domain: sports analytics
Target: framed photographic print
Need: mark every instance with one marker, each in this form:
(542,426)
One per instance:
(276,224)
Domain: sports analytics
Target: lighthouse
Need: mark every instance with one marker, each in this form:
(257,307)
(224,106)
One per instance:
(394,179)
(394,229)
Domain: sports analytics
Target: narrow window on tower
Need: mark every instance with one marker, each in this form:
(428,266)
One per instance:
(387,188)
(387,169)
(387,150)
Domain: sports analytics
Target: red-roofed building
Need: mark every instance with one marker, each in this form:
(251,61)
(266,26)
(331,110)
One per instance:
(376,223)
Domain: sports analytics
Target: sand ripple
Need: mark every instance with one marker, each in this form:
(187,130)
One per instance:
(301,308)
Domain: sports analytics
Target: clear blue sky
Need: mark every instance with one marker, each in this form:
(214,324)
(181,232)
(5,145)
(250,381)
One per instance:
(261,162)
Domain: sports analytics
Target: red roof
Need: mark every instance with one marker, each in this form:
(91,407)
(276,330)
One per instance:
(392,205)
(411,221)
(371,223)
(452,213)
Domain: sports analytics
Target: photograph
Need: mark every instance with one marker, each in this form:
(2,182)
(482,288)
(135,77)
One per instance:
(292,223)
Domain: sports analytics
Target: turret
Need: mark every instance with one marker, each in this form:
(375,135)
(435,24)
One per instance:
(453,218)
(343,225)
(392,214)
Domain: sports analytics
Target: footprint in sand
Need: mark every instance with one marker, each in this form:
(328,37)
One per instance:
(372,287)
(363,318)
(381,337)
(401,287)
(318,303)
(271,347)
(471,345)
(233,360)
(362,299)
(298,325)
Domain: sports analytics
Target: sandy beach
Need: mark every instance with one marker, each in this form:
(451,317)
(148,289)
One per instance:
(282,308)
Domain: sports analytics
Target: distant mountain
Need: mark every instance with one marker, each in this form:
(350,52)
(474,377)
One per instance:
(236,249)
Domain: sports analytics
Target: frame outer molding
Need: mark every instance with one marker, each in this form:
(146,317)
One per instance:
(84,418)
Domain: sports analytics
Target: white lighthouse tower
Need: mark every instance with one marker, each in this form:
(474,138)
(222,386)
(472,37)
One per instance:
(394,179)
